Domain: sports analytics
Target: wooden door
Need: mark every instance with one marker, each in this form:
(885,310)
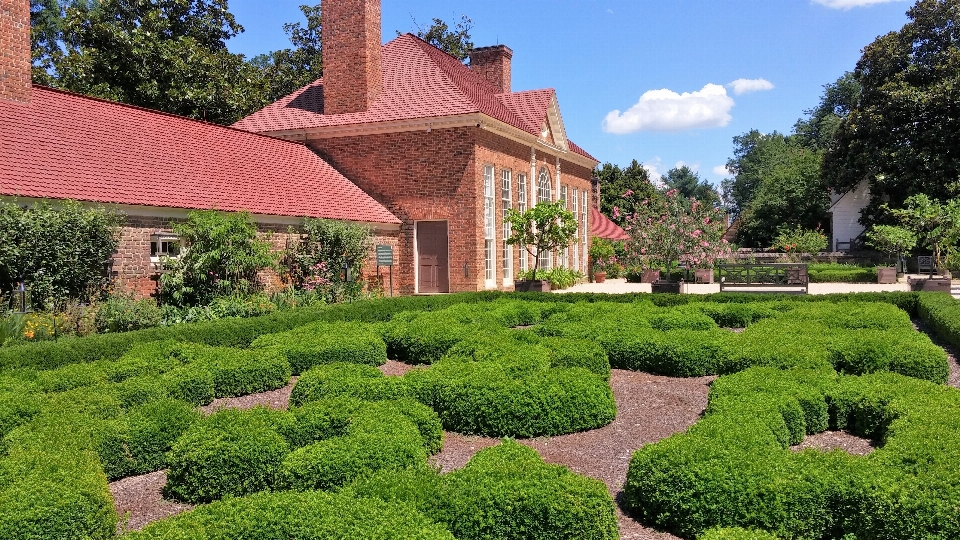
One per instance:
(433,263)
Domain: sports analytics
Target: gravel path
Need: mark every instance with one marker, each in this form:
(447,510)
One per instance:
(139,503)
(275,399)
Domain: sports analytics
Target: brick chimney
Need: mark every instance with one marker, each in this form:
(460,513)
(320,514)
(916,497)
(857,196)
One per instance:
(493,63)
(15,50)
(352,68)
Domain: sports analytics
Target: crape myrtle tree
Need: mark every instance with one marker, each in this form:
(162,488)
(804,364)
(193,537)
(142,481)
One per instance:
(903,136)
(675,230)
(543,228)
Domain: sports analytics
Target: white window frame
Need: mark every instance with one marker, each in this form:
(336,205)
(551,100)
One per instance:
(545,194)
(564,196)
(506,198)
(584,230)
(576,213)
(522,207)
(489,227)
(160,244)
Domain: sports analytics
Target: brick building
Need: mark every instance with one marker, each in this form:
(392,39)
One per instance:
(444,147)
(401,137)
(155,167)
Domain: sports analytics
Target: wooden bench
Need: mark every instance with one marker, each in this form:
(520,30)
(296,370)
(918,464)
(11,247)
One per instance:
(786,277)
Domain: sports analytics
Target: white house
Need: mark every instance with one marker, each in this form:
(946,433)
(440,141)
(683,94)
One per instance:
(845,210)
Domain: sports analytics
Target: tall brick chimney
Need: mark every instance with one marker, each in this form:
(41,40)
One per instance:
(493,63)
(15,50)
(352,68)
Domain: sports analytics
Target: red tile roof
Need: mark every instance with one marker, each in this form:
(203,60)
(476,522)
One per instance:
(66,146)
(602,227)
(420,81)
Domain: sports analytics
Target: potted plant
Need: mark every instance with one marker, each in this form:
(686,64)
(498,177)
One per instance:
(543,228)
(894,241)
(602,254)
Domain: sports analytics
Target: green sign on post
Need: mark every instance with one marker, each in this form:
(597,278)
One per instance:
(384,255)
(385,258)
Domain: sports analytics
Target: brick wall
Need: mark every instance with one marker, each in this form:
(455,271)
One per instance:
(15,50)
(134,271)
(352,66)
(439,176)
(419,176)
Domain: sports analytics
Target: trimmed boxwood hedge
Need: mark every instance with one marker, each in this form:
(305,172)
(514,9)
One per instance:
(327,343)
(504,492)
(733,468)
(297,516)
(736,533)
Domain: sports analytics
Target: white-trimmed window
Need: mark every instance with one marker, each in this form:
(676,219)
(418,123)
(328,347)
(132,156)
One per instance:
(576,214)
(544,187)
(164,245)
(506,197)
(489,226)
(522,207)
(544,194)
(583,229)
(565,257)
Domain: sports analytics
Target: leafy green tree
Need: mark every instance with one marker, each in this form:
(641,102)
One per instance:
(891,239)
(167,55)
(60,251)
(622,191)
(838,100)
(690,186)
(221,257)
(455,41)
(936,223)
(326,250)
(545,227)
(289,69)
(903,137)
(776,183)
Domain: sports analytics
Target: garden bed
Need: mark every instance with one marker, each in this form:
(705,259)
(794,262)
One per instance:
(584,381)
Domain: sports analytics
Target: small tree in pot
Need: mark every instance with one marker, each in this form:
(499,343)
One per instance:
(602,254)
(894,241)
(543,228)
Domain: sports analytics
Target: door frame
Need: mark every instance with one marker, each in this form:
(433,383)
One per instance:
(416,255)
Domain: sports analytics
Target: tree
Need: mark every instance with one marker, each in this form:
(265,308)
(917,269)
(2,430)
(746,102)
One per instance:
(287,70)
(167,55)
(622,191)
(545,227)
(892,240)
(903,137)
(839,98)
(221,257)
(60,252)
(454,41)
(689,185)
(776,183)
(327,249)
(935,222)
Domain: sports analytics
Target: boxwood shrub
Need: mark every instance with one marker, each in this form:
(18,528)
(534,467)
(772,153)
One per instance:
(229,453)
(733,468)
(297,516)
(505,492)
(327,343)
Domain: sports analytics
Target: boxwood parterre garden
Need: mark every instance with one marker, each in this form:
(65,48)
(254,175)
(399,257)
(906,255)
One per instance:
(349,459)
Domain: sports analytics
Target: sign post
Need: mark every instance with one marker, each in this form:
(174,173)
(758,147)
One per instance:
(385,258)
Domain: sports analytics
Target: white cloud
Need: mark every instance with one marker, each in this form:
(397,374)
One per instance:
(695,167)
(653,167)
(610,11)
(745,86)
(721,170)
(849,4)
(666,110)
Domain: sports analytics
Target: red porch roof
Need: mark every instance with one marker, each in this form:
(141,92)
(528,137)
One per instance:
(602,227)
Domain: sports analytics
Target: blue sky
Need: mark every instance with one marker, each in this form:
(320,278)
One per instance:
(651,80)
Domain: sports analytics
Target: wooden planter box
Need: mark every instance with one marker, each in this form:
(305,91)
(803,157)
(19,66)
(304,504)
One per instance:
(670,287)
(703,275)
(536,285)
(930,285)
(650,276)
(886,275)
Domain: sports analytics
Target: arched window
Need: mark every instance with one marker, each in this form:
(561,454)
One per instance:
(544,190)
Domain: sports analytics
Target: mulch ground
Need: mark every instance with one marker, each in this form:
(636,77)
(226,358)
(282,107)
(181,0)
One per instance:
(649,408)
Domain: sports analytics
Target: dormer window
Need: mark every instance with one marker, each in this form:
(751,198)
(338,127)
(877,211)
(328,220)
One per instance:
(164,245)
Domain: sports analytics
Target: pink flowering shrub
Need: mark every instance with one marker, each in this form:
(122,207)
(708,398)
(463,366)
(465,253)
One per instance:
(673,230)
